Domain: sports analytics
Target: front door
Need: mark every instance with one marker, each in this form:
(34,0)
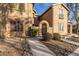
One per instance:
(69,30)
(44,28)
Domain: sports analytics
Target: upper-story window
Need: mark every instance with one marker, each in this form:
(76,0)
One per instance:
(61,14)
(21,7)
(12,6)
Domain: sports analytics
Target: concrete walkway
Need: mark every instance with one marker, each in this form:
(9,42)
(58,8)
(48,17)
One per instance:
(71,42)
(38,49)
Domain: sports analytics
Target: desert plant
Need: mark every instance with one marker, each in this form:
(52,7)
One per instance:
(56,36)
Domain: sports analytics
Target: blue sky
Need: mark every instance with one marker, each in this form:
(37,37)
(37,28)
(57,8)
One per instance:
(42,7)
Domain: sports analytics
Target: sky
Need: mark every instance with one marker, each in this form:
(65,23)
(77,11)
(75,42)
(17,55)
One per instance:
(42,7)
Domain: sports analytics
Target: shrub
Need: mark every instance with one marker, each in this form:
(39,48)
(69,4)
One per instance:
(56,36)
(46,36)
(32,32)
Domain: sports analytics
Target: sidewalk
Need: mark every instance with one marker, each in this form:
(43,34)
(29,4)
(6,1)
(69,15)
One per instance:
(71,42)
(38,49)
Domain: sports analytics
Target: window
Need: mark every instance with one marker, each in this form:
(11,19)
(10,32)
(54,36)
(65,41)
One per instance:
(16,26)
(61,15)
(12,6)
(61,27)
(21,7)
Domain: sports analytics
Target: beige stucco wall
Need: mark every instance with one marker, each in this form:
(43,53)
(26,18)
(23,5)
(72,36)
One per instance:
(27,16)
(56,19)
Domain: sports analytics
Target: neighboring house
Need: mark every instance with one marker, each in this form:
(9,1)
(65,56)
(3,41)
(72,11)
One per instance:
(18,21)
(55,20)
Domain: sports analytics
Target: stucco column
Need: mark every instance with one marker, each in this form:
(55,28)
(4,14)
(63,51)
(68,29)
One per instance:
(7,30)
(24,30)
(71,29)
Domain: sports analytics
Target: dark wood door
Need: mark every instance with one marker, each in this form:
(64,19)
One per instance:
(69,29)
(44,28)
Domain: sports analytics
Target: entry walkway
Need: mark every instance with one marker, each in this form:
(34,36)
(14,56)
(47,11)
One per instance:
(38,49)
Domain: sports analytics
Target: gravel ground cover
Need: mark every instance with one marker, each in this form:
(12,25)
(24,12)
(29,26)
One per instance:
(60,48)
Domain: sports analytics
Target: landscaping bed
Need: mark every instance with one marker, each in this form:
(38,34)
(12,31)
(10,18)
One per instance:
(60,48)
(75,39)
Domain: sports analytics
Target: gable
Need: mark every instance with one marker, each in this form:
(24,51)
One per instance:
(65,7)
(54,6)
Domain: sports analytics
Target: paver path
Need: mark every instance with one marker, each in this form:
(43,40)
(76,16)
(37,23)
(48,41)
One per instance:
(38,49)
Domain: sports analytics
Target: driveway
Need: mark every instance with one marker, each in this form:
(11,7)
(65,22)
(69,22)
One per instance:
(38,49)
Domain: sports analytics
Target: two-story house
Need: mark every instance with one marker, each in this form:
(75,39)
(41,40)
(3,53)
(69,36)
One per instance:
(19,19)
(55,20)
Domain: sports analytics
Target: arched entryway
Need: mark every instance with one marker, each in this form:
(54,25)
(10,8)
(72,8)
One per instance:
(44,28)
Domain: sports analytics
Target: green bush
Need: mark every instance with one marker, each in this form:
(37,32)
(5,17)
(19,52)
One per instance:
(32,32)
(56,36)
(46,36)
